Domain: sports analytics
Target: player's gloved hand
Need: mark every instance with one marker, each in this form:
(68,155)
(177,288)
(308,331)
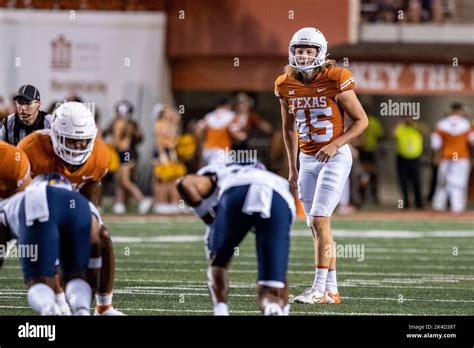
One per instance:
(326,152)
(293,178)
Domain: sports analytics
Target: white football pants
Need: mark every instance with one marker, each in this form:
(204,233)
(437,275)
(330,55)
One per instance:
(320,185)
(451,183)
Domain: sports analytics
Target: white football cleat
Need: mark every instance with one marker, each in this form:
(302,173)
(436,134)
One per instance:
(110,312)
(158,209)
(119,208)
(311,296)
(64,308)
(51,309)
(273,309)
(144,206)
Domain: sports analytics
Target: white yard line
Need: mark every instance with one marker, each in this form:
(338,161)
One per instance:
(367,253)
(431,276)
(307,246)
(204,293)
(373,257)
(423,277)
(166,291)
(292,264)
(388,233)
(306,233)
(160,239)
(344,284)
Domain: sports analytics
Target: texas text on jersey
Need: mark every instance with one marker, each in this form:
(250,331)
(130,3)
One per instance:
(319,119)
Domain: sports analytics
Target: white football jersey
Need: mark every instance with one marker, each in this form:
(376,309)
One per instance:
(9,209)
(259,197)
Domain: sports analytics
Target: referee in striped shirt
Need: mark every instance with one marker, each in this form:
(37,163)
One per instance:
(28,117)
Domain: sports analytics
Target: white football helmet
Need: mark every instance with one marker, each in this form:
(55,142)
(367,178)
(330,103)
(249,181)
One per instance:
(73,121)
(308,37)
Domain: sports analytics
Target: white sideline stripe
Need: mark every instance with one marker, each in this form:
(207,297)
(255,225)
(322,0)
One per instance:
(306,233)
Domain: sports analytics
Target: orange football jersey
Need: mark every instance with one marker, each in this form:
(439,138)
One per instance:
(14,169)
(39,149)
(218,123)
(455,133)
(319,120)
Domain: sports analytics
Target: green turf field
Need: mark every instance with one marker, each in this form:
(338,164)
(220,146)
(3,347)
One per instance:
(161,270)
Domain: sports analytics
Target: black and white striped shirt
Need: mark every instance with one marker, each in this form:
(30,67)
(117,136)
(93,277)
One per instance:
(13,130)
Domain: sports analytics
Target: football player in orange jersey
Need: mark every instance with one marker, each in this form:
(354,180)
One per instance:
(451,141)
(314,95)
(216,132)
(14,177)
(72,149)
(14,170)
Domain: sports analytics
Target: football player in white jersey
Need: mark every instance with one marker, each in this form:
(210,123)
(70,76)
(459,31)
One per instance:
(59,233)
(232,200)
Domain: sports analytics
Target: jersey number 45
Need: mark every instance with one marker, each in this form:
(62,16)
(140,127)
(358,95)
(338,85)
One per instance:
(311,118)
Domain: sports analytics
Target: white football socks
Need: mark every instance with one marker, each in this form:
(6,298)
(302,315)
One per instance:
(331,282)
(43,300)
(79,296)
(62,303)
(103,300)
(273,308)
(319,283)
(221,308)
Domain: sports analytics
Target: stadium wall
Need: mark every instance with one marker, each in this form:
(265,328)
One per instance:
(101,56)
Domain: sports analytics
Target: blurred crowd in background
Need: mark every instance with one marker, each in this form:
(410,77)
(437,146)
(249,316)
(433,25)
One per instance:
(409,11)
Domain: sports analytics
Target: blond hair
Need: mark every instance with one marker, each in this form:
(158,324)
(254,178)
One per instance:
(298,75)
